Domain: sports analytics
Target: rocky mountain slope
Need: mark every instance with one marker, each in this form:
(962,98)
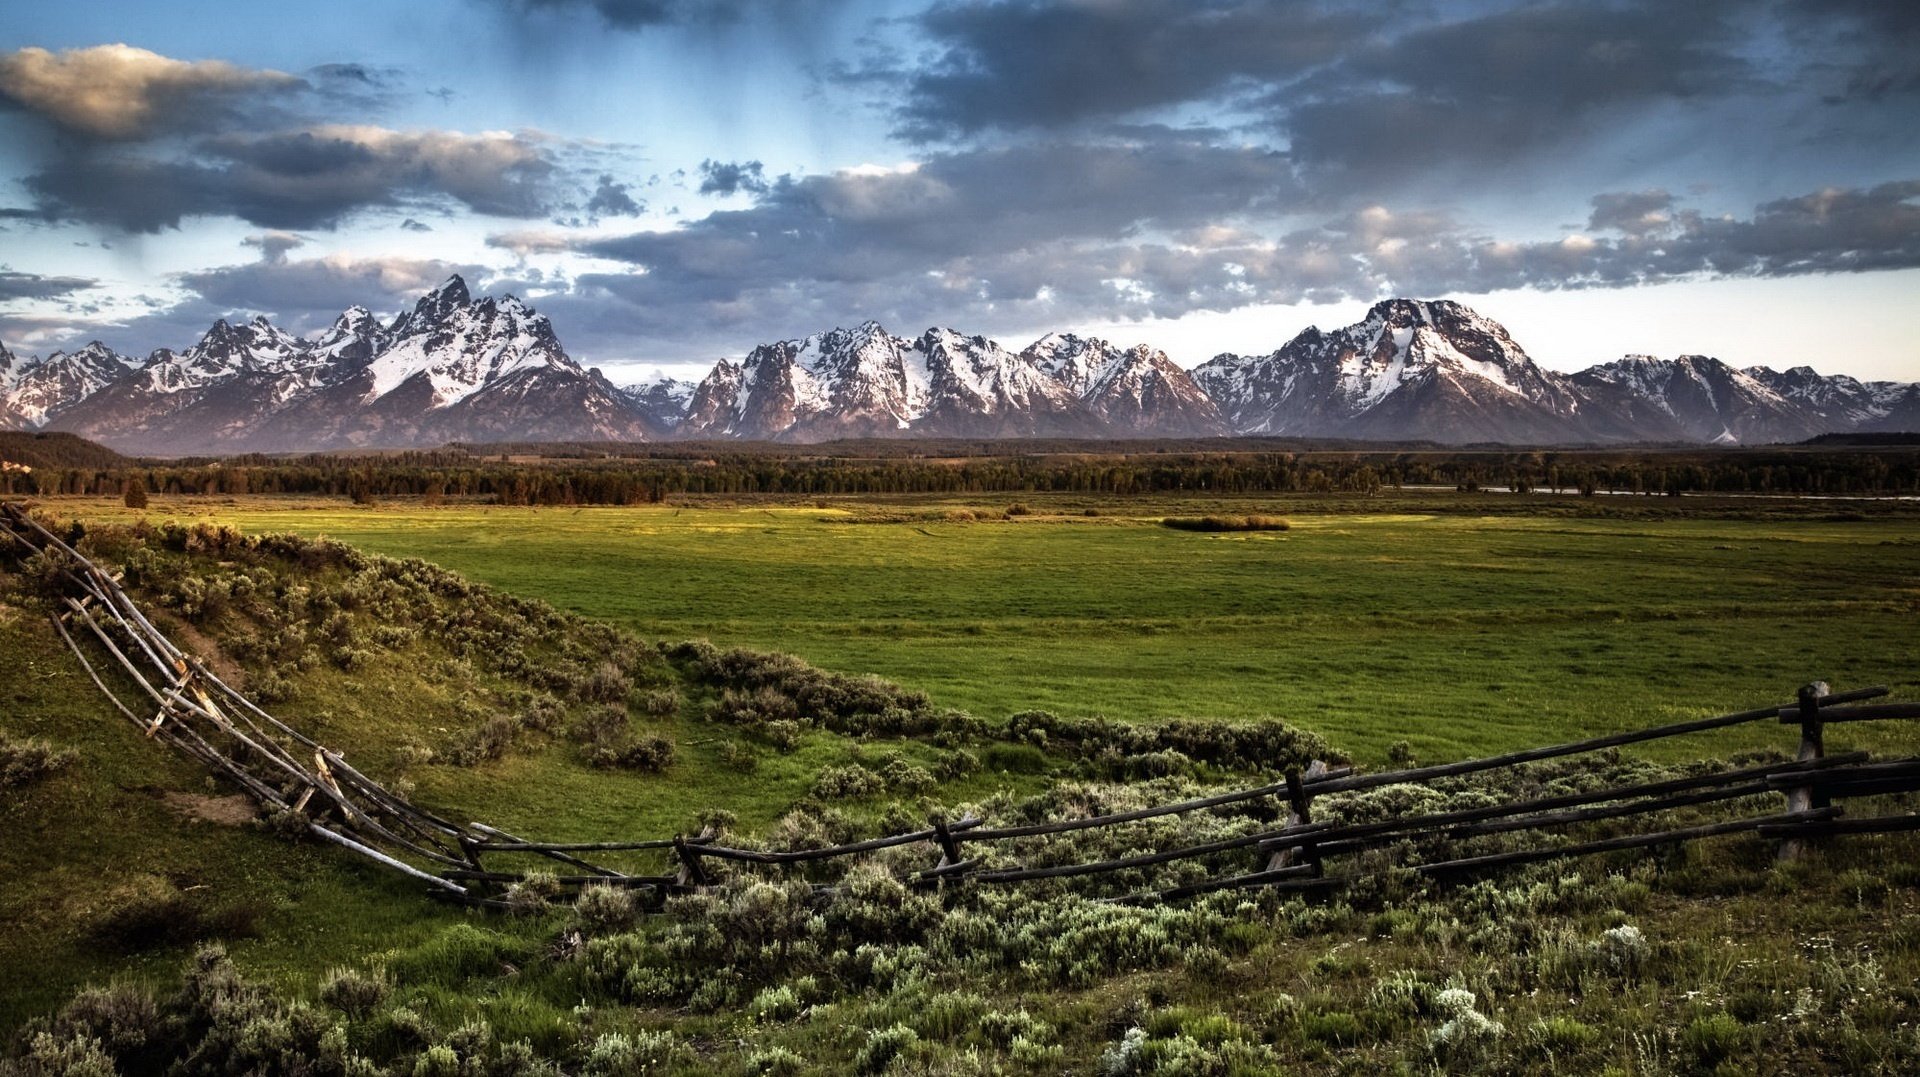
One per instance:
(456,368)
(452,368)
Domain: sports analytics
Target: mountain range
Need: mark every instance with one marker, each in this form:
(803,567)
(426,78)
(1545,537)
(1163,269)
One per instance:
(460,368)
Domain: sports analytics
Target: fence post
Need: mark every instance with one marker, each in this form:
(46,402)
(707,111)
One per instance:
(692,875)
(1812,746)
(1299,813)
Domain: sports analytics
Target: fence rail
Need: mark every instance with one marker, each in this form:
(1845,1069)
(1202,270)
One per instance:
(288,773)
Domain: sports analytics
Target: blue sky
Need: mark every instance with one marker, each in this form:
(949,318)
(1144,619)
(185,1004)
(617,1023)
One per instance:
(674,181)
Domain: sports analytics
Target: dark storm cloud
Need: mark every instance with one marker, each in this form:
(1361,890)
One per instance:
(1030,64)
(1492,89)
(732,177)
(146,141)
(306,294)
(643,14)
(34,286)
(860,223)
(914,248)
(299,179)
(1633,212)
(610,199)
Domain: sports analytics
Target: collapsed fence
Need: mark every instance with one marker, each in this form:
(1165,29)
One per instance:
(313,788)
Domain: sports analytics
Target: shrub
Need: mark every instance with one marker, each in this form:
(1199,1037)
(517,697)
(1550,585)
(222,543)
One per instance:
(661,702)
(882,1047)
(652,753)
(24,762)
(606,684)
(740,757)
(605,909)
(775,1062)
(601,726)
(353,993)
(1225,523)
(135,496)
(775,1004)
(490,741)
(1467,1033)
(123,1019)
(846,783)
(533,893)
(618,1055)
(905,777)
(1714,1038)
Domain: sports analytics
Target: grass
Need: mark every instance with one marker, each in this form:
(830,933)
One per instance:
(1462,634)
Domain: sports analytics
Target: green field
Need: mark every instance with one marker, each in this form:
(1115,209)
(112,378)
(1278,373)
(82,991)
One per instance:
(1463,634)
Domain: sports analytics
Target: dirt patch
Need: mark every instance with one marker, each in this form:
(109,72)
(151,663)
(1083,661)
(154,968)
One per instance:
(201,646)
(235,810)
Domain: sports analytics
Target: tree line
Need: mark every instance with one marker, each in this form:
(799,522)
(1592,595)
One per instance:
(445,474)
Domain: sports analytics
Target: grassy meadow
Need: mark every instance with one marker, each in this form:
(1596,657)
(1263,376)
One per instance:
(1463,626)
(1462,633)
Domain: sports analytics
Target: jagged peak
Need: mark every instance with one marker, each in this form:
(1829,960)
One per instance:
(452,291)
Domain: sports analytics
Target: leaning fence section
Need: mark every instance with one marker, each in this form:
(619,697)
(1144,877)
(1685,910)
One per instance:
(182,703)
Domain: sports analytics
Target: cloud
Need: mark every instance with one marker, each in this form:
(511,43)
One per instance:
(310,178)
(1500,87)
(273,246)
(411,225)
(524,243)
(1632,212)
(910,248)
(611,199)
(644,14)
(732,177)
(305,294)
(16,286)
(1031,64)
(118,92)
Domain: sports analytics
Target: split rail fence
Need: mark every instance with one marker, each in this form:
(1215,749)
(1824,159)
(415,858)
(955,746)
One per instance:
(291,775)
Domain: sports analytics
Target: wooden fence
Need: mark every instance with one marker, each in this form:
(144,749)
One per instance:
(289,774)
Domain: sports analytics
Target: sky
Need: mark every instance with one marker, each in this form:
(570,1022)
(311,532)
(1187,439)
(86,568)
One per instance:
(674,181)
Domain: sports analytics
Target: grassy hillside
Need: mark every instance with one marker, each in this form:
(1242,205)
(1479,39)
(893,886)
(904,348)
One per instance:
(121,861)
(1462,634)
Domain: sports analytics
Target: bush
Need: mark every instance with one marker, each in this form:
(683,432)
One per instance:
(490,741)
(882,1047)
(606,684)
(533,894)
(652,754)
(1714,1038)
(353,993)
(661,702)
(848,782)
(603,909)
(1225,523)
(24,762)
(618,1055)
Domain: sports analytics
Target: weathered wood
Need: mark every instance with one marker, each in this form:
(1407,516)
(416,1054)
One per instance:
(1790,714)
(1186,852)
(550,854)
(1629,841)
(1812,746)
(688,856)
(1293,878)
(1178,808)
(1350,836)
(475,875)
(797,856)
(1872,713)
(1878,824)
(1531,755)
